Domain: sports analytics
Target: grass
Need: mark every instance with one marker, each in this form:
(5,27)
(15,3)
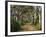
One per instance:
(37,26)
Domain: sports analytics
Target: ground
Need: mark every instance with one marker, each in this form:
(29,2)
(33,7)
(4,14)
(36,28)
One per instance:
(28,27)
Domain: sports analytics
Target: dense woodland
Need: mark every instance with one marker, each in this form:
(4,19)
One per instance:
(23,14)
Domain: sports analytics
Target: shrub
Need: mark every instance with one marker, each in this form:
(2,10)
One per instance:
(15,25)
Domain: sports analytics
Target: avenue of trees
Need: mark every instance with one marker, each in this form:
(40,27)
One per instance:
(24,14)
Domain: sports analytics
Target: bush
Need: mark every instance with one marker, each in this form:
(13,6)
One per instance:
(15,25)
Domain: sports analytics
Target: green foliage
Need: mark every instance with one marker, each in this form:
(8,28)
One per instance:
(27,12)
(15,25)
(38,26)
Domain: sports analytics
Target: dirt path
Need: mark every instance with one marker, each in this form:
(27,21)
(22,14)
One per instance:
(28,27)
